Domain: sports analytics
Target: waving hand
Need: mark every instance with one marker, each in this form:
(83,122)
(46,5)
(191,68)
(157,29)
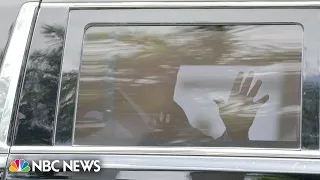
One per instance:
(239,112)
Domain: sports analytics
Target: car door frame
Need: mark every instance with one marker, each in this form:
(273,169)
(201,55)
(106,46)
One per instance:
(11,73)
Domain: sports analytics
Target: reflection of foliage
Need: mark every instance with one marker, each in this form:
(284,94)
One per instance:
(161,56)
(146,60)
(67,105)
(55,33)
(39,93)
(310,111)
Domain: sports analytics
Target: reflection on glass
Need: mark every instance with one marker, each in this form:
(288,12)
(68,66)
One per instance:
(190,85)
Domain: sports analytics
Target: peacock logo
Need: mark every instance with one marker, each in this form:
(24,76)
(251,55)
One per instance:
(19,165)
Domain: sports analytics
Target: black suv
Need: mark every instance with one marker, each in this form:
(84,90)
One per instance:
(160,89)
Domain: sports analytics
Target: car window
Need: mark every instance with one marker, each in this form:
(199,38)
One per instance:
(208,85)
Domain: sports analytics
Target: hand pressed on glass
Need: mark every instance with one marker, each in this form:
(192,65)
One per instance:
(170,122)
(173,126)
(239,112)
(162,122)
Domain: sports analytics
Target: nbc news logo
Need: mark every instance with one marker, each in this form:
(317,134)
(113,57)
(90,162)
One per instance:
(21,165)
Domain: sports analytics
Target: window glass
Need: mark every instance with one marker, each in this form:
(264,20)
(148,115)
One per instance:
(235,85)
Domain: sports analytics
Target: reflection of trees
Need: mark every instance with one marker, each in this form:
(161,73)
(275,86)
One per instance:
(310,123)
(64,130)
(145,61)
(40,89)
(159,56)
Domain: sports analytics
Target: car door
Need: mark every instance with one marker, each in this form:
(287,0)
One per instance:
(17,18)
(179,90)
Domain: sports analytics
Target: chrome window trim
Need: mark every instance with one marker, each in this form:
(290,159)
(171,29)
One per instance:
(11,68)
(190,4)
(176,151)
(189,163)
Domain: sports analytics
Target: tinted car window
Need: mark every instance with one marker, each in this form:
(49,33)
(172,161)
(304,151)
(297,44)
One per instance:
(216,85)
